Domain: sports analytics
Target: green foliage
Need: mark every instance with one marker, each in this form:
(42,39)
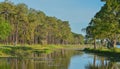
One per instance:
(30,26)
(78,38)
(106,24)
(5,29)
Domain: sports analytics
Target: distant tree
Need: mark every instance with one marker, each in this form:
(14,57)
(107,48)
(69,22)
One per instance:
(78,38)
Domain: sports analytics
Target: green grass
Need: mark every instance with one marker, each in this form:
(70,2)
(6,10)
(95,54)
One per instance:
(115,52)
(24,51)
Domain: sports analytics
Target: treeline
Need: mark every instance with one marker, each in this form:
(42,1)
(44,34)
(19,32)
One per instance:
(105,26)
(29,26)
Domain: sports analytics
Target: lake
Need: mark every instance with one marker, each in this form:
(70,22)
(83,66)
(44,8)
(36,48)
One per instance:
(63,59)
(118,46)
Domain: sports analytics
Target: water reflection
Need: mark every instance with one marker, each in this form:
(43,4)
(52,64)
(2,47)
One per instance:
(60,60)
(102,63)
(56,60)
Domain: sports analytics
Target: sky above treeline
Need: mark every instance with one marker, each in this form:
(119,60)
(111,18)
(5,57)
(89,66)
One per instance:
(77,12)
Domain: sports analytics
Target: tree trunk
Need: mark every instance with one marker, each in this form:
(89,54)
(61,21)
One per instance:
(16,36)
(94,43)
(114,43)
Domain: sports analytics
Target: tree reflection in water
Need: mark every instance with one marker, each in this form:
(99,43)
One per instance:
(60,60)
(56,60)
(102,63)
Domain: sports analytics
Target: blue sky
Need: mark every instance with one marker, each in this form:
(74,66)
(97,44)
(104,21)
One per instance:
(77,12)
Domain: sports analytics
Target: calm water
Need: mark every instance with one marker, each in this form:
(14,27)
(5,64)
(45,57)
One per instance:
(61,60)
(118,46)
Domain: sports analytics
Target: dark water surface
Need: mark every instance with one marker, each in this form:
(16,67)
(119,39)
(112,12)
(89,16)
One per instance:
(64,59)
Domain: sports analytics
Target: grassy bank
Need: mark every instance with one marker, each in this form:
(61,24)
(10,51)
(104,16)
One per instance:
(23,51)
(113,52)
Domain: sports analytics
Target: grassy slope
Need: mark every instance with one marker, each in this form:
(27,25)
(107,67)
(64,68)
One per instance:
(16,51)
(115,52)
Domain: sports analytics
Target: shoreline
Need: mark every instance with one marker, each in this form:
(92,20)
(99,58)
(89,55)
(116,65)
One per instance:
(25,51)
(114,52)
